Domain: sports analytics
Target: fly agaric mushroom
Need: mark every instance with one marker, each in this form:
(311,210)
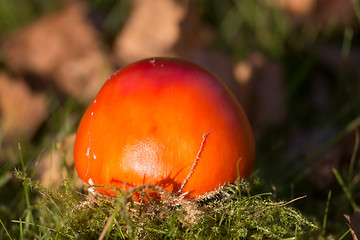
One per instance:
(164,122)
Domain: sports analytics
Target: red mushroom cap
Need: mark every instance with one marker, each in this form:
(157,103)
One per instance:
(164,122)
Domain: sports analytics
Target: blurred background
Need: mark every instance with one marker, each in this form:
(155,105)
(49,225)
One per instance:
(293,64)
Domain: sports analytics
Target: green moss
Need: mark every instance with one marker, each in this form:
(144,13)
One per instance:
(229,213)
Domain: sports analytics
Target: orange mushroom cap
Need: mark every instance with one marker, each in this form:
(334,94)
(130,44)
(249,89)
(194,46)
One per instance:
(164,122)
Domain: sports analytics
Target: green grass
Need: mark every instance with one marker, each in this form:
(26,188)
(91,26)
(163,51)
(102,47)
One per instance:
(18,13)
(245,26)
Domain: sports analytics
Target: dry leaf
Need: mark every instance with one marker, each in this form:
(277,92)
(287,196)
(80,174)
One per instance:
(262,90)
(82,77)
(321,175)
(299,9)
(152,29)
(244,72)
(58,164)
(318,12)
(354,224)
(63,48)
(21,110)
(40,47)
(334,10)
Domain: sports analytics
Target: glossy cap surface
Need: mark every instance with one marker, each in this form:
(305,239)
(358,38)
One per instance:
(152,120)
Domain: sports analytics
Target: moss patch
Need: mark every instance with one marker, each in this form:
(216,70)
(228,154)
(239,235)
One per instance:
(229,213)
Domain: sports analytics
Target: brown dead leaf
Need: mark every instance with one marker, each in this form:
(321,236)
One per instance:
(354,224)
(58,164)
(298,9)
(40,47)
(194,36)
(321,175)
(83,77)
(318,12)
(331,55)
(333,10)
(152,29)
(62,48)
(21,110)
(270,94)
(244,72)
(262,89)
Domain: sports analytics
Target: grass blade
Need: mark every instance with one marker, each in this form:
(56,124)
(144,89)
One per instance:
(356,7)
(107,229)
(345,189)
(346,46)
(353,156)
(323,230)
(29,217)
(344,235)
(7,233)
